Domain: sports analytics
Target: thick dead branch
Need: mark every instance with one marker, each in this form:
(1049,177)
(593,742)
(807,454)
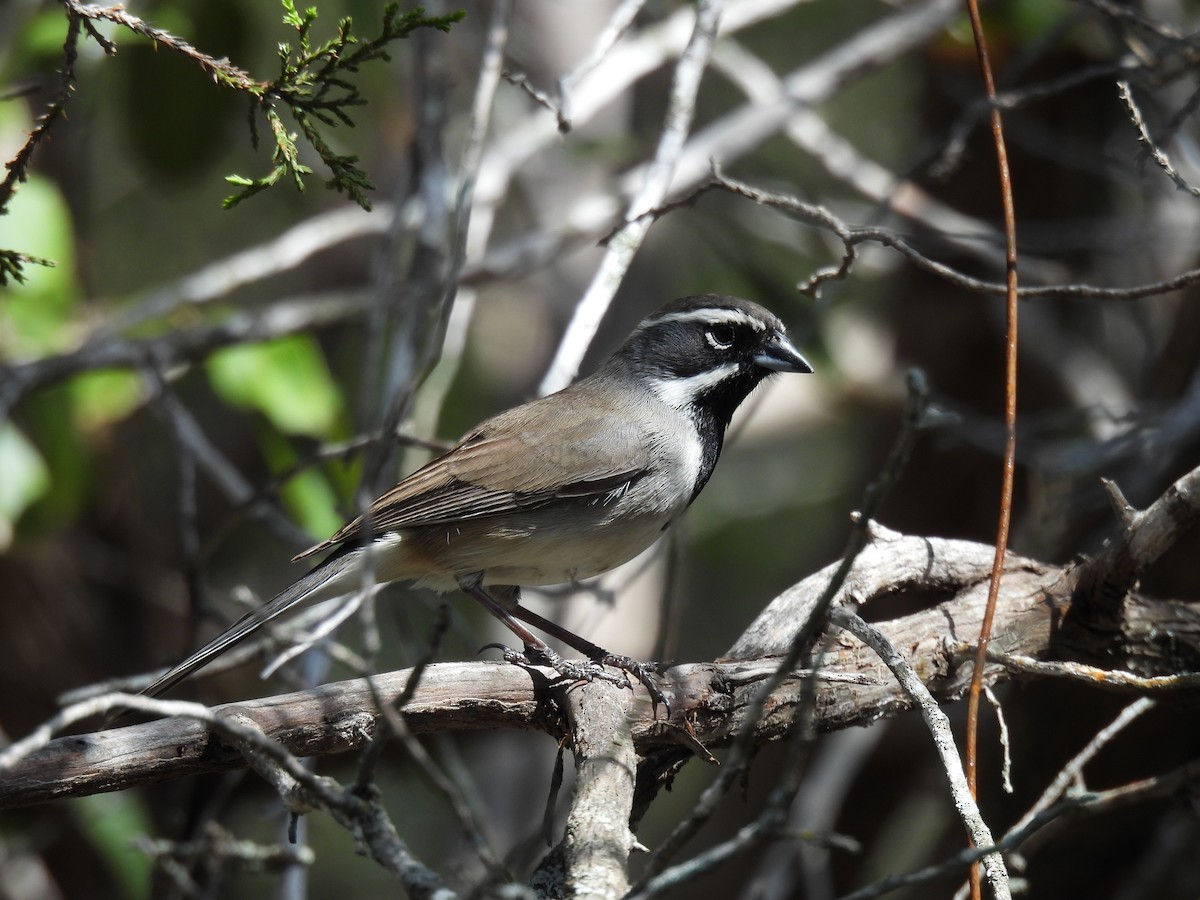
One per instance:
(593,857)
(1100,584)
(893,565)
(708,700)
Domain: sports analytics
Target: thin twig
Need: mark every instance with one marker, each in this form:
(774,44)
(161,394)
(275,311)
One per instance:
(638,217)
(521,80)
(391,714)
(1005,740)
(1157,153)
(1107,679)
(18,166)
(193,443)
(620,22)
(1086,802)
(287,316)
(359,811)
(943,738)
(1071,772)
(1010,419)
(216,280)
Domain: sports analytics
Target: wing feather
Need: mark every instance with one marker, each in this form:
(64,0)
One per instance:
(513,462)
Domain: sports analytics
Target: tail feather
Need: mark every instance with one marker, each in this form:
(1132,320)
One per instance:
(334,577)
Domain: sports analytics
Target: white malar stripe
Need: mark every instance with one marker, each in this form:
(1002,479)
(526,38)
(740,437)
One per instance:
(680,393)
(693,450)
(713,316)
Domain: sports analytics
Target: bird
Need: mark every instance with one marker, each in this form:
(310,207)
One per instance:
(558,489)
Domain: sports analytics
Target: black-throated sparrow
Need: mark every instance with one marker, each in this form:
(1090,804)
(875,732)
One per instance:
(558,489)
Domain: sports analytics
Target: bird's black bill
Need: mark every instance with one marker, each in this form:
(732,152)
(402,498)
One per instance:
(779,355)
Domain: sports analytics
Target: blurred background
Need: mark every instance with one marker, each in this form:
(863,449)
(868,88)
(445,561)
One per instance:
(189,394)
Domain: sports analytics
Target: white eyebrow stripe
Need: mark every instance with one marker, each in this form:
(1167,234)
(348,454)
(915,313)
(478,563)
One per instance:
(713,316)
(680,393)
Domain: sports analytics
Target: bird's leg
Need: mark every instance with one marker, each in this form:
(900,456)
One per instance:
(536,650)
(642,671)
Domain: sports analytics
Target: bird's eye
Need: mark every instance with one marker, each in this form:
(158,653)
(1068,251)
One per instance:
(719,337)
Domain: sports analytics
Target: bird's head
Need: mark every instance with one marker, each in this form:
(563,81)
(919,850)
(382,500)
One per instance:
(706,353)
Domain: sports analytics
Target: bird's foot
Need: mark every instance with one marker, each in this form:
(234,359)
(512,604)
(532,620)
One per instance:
(573,670)
(591,670)
(643,672)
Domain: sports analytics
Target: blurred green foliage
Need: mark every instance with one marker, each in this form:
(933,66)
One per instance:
(23,478)
(286,380)
(106,821)
(37,317)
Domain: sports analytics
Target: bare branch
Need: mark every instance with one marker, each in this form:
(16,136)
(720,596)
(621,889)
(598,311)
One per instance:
(943,739)
(219,279)
(655,183)
(735,134)
(290,315)
(1157,153)
(1069,773)
(620,22)
(342,716)
(594,852)
(1102,582)
(1081,803)
(1105,679)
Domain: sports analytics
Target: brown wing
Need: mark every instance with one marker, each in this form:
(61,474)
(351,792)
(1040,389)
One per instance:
(578,449)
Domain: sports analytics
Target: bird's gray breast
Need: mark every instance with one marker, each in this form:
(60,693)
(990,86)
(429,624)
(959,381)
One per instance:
(586,536)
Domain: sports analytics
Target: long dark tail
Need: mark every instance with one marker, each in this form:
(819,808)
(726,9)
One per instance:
(335,577)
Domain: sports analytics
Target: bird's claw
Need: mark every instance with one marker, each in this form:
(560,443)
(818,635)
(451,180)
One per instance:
(590,670)
(573,670)
(643,671)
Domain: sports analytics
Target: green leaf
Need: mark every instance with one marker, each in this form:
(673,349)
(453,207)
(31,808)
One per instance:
(286,380)
(108,821)
(101,397)
(47,421)
(24,477)
(309,496)
(36,314)
(312,502)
